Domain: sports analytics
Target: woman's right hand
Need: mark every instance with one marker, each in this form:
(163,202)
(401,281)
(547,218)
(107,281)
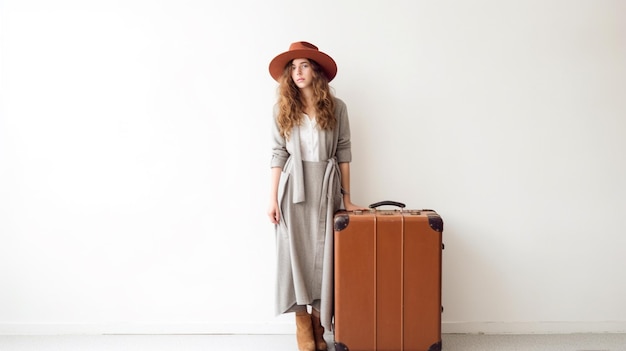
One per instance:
(273,212)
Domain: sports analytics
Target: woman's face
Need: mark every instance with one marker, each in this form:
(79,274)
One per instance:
(302,73)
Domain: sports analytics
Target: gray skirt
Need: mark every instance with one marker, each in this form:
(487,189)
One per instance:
(300,238)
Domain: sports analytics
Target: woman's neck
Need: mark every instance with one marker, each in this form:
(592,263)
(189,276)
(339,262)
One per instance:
(308,103)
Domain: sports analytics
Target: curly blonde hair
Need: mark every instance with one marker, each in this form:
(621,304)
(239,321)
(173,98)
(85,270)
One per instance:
(291,107)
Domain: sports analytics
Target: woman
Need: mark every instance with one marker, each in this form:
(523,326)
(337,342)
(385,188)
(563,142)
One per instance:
(310,178)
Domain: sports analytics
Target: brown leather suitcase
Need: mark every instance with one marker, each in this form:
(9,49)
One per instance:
(388,279)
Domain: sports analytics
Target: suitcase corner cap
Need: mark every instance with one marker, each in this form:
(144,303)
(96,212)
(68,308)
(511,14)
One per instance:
(435,222)
(435,347)
(341,221)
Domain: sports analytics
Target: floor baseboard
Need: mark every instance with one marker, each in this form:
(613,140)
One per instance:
(289,328)
(532,327)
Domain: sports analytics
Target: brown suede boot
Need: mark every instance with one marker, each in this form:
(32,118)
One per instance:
(304,332)
(318,332)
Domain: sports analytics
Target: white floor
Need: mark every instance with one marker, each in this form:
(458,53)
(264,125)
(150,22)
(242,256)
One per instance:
(451,342)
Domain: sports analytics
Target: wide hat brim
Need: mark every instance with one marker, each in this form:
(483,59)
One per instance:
(303,50)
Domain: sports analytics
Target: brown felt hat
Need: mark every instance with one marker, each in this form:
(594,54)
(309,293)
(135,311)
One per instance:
(302,49)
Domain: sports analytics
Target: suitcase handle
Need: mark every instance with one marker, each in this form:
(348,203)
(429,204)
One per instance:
(388,203)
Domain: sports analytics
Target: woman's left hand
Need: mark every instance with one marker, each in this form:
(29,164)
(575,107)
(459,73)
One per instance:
(352,207)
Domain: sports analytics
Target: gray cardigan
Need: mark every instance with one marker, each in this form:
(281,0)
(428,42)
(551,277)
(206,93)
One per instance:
(335,148)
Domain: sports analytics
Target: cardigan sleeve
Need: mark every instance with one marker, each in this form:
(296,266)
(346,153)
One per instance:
(279,148)
(344,145)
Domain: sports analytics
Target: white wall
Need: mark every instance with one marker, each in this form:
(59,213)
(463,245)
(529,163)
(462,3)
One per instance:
(134,155)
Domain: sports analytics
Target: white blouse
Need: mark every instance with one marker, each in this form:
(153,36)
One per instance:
(309,139)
